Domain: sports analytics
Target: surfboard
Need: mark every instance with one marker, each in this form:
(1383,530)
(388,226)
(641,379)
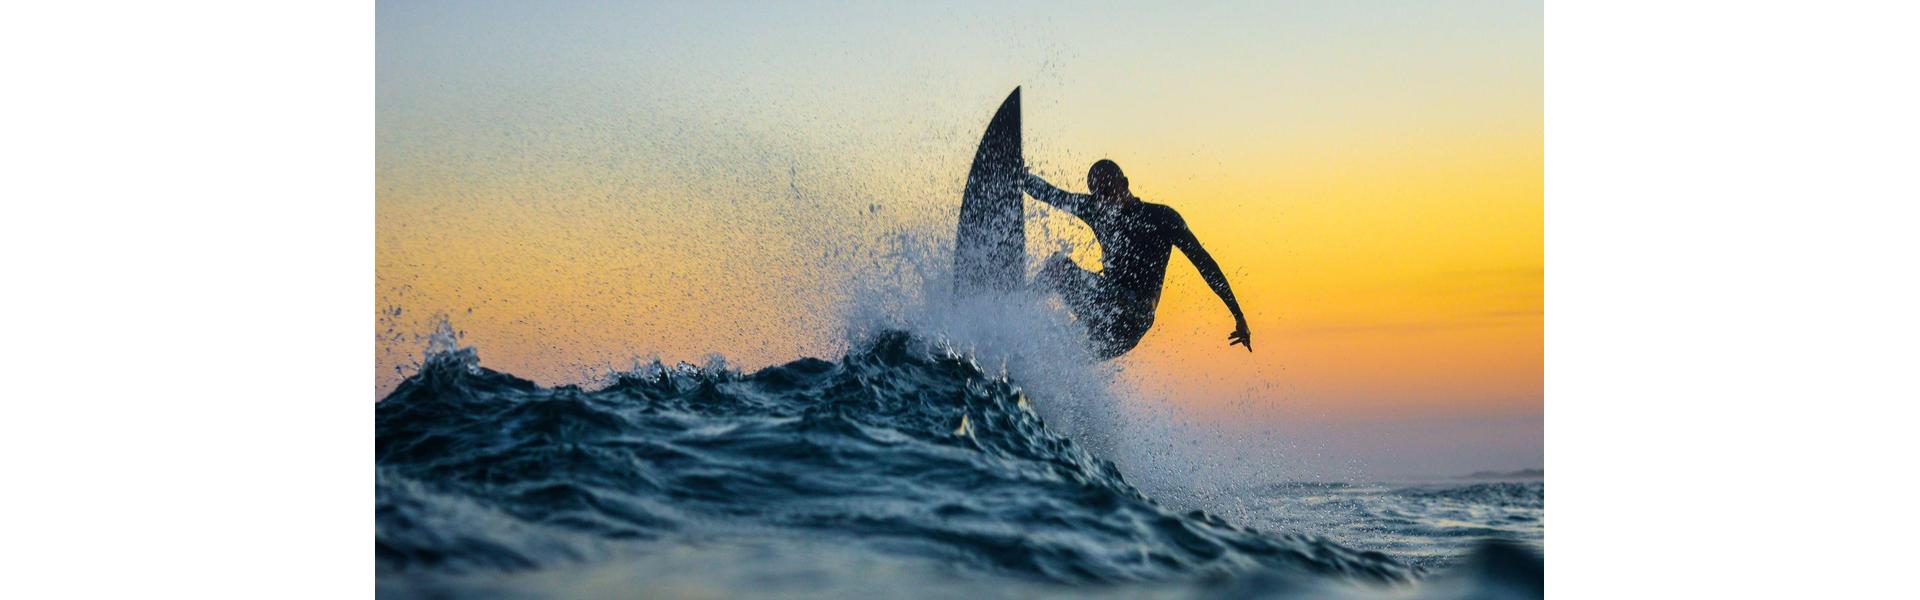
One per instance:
(990,249)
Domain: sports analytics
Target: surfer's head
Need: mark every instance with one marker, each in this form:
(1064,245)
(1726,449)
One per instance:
(1106,181)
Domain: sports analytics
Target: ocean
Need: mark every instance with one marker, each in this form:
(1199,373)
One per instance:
(902,469)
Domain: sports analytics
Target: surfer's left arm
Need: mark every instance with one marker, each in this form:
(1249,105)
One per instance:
(1073,204)
(1210,272)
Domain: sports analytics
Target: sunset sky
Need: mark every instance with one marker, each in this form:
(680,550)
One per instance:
(580,185)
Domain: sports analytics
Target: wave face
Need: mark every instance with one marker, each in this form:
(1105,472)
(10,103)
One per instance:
(899,449)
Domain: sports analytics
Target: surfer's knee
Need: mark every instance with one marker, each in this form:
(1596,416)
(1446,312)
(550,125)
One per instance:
(1054,272)
(1115,341)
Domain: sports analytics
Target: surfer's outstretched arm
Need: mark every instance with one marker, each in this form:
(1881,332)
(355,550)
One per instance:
(1210,271)
(1074,204)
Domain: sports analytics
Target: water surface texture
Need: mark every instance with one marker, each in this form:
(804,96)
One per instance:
(901,468)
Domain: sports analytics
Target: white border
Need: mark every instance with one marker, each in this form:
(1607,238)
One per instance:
(1730,337)
(1730,298)
(188,244)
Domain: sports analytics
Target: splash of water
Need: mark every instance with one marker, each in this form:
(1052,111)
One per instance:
(904,446)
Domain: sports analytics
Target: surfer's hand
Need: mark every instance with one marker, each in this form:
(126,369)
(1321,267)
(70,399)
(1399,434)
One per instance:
(1240,336)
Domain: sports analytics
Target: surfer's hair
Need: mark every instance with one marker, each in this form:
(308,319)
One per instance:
(1105,178)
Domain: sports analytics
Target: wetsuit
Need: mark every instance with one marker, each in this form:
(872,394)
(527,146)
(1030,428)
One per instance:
(1136,240)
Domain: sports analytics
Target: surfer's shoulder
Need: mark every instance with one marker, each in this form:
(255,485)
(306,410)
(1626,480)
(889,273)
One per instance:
(1163,213)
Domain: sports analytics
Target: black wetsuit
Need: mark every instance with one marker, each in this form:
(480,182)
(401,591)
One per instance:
(1136,240)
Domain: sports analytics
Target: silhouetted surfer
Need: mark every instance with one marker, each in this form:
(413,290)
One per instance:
(1136,240)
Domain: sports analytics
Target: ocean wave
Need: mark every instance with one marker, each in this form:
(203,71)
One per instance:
(902,448)
(1511,494)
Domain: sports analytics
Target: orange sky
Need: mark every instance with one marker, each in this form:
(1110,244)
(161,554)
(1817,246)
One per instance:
(579,186)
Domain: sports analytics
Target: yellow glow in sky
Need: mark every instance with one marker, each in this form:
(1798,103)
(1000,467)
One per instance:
(578,186)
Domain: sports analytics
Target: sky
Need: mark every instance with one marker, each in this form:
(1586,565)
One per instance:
(577,185)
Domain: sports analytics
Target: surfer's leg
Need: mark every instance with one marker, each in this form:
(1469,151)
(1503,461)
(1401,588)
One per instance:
(1113,328)
(1109,332)
(1117,335)
(1077,286)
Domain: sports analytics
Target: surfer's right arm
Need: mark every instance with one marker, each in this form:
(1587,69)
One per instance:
(1074,204)
(1210,272)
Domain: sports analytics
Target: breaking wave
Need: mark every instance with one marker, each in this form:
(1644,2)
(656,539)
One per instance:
(900,448)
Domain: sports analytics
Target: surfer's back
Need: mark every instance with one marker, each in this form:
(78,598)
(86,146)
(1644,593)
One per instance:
(1135,248)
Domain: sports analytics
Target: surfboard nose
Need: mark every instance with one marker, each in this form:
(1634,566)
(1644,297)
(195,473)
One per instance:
(990,248)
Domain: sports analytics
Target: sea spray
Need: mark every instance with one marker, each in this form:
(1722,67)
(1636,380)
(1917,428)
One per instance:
(1028,336)
(480,471)
(1024,334)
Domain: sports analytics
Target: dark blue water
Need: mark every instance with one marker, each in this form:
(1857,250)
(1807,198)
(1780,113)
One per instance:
(899,470)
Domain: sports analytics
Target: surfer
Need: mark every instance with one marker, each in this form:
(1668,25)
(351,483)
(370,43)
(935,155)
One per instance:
(1136,240)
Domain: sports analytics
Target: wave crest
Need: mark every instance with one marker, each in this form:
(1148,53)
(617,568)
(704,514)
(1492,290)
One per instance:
(902,447)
